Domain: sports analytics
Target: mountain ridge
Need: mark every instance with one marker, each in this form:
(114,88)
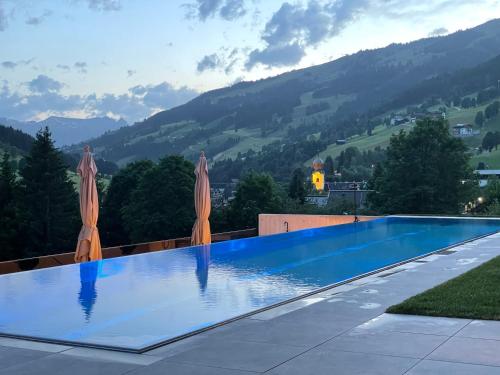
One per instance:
(68,131)
(335,99)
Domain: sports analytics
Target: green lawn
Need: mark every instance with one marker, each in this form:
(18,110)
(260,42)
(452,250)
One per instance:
(473,295)
(380,137)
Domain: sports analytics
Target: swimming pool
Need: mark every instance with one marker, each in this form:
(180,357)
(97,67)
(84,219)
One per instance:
(137,302)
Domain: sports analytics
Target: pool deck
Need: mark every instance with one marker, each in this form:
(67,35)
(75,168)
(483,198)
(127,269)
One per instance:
(341,331)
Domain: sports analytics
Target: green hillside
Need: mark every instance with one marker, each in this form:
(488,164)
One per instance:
(339,99)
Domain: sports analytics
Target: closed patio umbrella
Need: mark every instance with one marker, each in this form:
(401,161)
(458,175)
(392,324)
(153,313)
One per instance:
(201,229)
(89,244)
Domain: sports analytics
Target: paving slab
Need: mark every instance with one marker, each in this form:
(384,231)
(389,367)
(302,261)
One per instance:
(58,364)
(112,356)
(467,350)
(172,368)
(33,345)
(482,329)
(238,355)
(427,367)
(415,324)
(302,333)
(400,344)
(326,362)
(13,356)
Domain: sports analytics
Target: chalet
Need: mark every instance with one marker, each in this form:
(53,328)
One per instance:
(463,130)
(398,120)
(486,175)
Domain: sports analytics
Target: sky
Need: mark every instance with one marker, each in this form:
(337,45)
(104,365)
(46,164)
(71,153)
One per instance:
(132,58)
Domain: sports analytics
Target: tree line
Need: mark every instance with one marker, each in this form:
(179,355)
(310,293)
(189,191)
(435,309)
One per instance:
(424,170)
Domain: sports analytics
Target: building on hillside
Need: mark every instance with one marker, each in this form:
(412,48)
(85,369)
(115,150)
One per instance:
(463,130)
(348,192)
(320,200)
(222,193)
(338,192)
(399,120)
(486,175)
(339,142)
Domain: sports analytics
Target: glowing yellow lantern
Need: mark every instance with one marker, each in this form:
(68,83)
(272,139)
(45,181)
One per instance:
(318,175)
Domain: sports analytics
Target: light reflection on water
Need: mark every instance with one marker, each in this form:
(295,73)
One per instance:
(140,300)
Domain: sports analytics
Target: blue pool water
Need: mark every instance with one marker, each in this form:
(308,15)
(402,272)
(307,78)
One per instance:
(135,302)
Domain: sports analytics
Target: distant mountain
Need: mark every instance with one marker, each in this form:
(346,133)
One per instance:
(335,100)
(68,131)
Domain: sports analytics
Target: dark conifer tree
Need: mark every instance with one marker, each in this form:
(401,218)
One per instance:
(49,201)
(297,189)
(9,225)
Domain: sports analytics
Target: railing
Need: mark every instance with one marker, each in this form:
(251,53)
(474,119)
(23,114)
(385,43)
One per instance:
(47,261)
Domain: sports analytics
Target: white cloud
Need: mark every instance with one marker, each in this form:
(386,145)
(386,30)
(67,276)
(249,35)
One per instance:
(45,98)
(226,9)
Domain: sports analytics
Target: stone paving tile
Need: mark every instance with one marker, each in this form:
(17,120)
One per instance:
(177,347)
(414,324)
(237,355)
(302,333)
(427,367)
(32,345)
(467,350)
(386,343)
(287,308)
(345,311)
(167,367)
(57,364)
(326,362)
(112,356)
(13,356)
(482,329)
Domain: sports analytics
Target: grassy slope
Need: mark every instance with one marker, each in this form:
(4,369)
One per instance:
(473,295)
(380,137)
(382,134)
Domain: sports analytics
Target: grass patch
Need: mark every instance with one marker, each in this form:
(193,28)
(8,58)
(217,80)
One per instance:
(473,295)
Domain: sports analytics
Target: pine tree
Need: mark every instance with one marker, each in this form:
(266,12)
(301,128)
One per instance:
(329,168)
(49,201)
(111,223)
(297,189)
(9,226)
(479,120)
(426,172)
(162,204)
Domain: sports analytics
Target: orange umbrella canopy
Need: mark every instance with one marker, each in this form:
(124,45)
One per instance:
(89,244)
(201,229)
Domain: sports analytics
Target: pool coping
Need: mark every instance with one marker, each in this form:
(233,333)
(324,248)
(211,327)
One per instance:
(254,312)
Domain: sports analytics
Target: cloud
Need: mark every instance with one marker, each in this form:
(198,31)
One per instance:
(438,32)
(163,95)
(224,60)
(15,64)
(34,21)
(295,27)
(81,66)
(9,64)
(63,67)
(44,98)
(233,9)
(130,73)
(44,84)
(226,9)
(104,5)
(284,55)
(209,62)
